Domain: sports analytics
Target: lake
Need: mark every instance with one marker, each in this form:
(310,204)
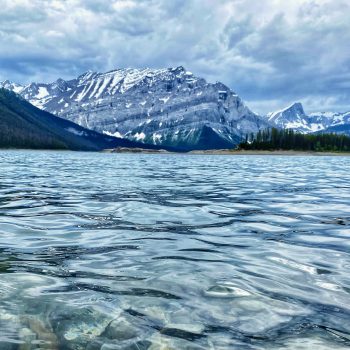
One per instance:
(132,251)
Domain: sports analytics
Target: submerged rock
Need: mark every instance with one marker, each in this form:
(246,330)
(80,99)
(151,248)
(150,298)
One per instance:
(226,291)
(28,337)
(76,331)
(42,332)
(120,329)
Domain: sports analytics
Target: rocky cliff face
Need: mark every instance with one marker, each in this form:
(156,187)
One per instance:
(169,107)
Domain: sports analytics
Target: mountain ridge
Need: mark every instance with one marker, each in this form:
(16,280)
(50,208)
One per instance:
(166,107)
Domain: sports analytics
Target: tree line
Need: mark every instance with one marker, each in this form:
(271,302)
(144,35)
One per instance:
(288,139)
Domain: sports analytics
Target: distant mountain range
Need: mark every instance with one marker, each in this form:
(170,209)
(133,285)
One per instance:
(294,117)
(23,125)
(165,107)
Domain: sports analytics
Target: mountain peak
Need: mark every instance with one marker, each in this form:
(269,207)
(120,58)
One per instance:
(291,117)
(294,108)
(179,69)
(297,106)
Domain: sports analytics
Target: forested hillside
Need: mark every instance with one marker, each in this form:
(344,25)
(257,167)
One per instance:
(287,139)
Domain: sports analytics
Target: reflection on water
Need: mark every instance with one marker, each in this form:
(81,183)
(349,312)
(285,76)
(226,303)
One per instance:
(111,251)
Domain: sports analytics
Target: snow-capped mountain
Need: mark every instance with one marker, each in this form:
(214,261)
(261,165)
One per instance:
(170,107)
(340,124)
(11,86)
(294,117)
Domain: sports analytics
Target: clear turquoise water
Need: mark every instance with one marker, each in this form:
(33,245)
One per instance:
(127,251)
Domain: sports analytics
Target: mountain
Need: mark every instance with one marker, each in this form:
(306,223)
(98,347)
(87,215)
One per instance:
(294,117)
(340,124)
(22,125)
(168,107)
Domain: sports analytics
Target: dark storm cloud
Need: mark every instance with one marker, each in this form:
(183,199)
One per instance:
(271,52)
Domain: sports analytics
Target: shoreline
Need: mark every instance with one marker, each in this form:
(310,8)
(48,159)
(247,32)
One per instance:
(196,152)
(270,153)
(228,152)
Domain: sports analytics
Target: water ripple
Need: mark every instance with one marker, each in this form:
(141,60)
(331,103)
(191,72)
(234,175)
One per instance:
(117,251)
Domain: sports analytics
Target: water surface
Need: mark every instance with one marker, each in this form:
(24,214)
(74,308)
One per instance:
(128,251)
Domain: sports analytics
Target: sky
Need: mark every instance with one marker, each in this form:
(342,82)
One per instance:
(271,52)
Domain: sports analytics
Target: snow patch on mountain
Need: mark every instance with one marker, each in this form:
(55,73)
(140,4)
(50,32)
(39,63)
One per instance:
(76,132)
(114,134)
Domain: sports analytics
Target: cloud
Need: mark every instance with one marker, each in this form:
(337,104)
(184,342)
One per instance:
(271,52)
